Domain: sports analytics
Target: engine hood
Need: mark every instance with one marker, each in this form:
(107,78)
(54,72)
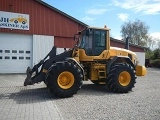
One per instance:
(121,51)
(115,51)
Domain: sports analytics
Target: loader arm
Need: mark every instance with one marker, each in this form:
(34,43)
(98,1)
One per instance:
(45,63)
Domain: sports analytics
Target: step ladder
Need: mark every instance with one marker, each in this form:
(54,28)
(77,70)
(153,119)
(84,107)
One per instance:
(102,74)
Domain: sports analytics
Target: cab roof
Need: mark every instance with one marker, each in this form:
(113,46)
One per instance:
(104,28)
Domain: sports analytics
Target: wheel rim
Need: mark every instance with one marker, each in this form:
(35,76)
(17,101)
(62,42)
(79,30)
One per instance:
(66,80)
(124,78)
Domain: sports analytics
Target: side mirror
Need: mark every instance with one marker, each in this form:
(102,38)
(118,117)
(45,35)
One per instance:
(88,32)
(76,37)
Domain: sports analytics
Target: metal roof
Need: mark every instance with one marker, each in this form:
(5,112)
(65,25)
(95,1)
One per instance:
(74,19)
(59,11)
(120,41)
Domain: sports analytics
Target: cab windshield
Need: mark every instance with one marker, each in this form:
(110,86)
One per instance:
(93,41)
(86,41)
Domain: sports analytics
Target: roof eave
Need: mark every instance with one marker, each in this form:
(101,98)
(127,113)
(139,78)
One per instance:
(120,41)
(55,9)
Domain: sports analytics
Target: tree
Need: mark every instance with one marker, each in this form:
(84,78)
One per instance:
(137,31)
(159,43)
(148,53)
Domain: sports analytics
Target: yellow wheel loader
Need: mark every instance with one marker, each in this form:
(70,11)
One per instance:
(92,59)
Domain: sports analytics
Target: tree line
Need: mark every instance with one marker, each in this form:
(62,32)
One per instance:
(137,31)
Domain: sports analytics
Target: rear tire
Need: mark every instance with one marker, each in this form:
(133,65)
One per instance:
(65,79)
(121,78)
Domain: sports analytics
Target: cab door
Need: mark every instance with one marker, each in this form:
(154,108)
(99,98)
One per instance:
(99,42)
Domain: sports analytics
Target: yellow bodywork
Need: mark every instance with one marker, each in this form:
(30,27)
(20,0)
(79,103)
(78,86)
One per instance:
(98,71)
(105,55)
(19,19)
(141,70)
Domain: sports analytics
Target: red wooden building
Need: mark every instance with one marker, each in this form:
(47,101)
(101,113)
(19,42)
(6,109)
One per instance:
(44,20)
(29,29)
(121,44)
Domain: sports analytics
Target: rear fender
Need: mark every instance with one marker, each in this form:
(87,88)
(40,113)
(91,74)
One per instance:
(116,59)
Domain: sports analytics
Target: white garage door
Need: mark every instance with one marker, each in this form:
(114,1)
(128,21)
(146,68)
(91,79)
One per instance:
(15,53)
(141,57)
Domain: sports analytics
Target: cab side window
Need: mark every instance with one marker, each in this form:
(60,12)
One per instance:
(99,42)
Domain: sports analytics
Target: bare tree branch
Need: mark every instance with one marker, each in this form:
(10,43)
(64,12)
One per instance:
(137,31)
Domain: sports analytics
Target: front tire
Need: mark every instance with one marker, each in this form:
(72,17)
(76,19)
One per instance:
(65,79)
(121,78)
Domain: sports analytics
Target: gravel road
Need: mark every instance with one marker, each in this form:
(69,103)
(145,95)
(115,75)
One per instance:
(92,102)
(98,103)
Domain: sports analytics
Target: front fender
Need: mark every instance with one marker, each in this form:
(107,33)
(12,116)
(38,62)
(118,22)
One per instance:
(77,63)
(61,62)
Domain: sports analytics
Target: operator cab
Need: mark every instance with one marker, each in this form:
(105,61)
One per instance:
(93,41)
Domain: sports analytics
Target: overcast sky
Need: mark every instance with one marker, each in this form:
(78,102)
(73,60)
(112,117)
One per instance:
(112,13)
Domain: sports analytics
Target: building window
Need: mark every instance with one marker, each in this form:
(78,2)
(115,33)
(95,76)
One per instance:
(27,52)
(14,51)
(21,51)
(14,58)
(27,58)
(7,57)
(7,51)
(21,58)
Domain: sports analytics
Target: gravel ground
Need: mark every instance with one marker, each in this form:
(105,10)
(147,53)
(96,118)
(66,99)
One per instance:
(98,103)
(90,103)
(25,103)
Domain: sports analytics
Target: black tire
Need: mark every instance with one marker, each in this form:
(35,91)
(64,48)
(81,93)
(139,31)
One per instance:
(121,78)
(23,22)
(65,79)
(16,21)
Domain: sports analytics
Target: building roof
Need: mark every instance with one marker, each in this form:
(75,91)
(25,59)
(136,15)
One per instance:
(74,19)
(59,11)
(120,41)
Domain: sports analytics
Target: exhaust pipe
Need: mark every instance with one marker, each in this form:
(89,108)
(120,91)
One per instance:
(127,43)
